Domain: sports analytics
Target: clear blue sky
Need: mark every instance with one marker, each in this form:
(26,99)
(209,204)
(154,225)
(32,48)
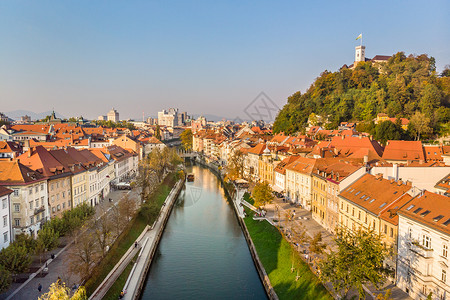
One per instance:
(211,57)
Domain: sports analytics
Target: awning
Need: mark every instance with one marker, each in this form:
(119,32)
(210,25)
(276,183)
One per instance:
(276,188)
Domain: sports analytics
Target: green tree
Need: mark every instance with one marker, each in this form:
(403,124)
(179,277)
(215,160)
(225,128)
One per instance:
(149,211)
(262,194)
(5,279)
(358,260)
(317,246)
(15,258)
(387,130)
(158,132)
(49,238)
(186,139)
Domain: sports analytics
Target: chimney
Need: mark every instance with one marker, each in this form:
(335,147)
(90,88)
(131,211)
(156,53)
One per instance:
(392,180)
(366,159)
(400,182)
(343,136)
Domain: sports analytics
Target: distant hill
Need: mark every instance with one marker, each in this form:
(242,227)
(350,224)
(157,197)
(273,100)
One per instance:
(404,86)
(17,114)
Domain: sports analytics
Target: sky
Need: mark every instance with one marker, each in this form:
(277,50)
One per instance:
(203,57)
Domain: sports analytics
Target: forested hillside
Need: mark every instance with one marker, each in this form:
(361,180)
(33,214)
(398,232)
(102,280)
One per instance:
(402,87)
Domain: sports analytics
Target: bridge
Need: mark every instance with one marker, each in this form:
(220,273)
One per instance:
(187,153)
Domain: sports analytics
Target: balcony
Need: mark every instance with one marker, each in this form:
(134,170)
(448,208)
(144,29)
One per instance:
(421,250)
(38,210)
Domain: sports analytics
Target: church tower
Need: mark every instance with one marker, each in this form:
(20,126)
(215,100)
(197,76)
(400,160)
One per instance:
(360,54)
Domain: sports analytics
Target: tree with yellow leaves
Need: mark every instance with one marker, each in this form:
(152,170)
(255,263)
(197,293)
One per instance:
(59,291)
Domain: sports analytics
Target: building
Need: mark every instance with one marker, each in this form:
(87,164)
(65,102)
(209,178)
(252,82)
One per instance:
(10,149)
(299,181)
(102,118)
(29,200)
(58,176)
(403,152)
(6,236)
(168,118)
(424,241)
(371,202)
(113,115)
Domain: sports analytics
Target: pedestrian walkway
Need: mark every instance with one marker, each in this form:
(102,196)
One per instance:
(59,266)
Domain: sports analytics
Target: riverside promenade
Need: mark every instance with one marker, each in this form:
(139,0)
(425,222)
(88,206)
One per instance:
(147,244)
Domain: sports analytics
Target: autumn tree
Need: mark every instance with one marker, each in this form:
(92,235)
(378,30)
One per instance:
(186,139)
(262,194)
(59,291)
(317,246)
(358,260)
(420,125)
(158,132)
(235,165)
(127,208)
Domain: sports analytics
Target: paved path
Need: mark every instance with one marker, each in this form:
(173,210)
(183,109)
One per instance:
(59,266)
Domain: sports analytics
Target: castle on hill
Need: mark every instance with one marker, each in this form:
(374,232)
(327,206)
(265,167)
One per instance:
(360,55)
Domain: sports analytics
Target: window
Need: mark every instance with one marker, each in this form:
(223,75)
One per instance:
(31,204)
(36,189)
(42,201)
(53,209)
(385,228)
(5,221)
(17,222)
(16,192)
(426,241)
(64,205)
(4,204)
(17,207)
(5,237)
(444,275)
(444,250)
(391,234)
(53,198)
(30,191)
(31,219)
(410,232)
(58,207)
(64,194)
(42,187)
(36,203)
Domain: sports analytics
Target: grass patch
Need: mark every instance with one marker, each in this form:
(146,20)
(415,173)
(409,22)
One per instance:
(277,256)
(127,238)
(248,198)
(117,287)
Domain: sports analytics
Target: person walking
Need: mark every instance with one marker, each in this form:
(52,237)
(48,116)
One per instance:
(40,287)
(135,244)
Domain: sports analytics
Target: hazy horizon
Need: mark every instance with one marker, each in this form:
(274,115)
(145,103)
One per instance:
(84,57)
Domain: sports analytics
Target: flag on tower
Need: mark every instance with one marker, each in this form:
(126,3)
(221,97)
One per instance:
(359,36)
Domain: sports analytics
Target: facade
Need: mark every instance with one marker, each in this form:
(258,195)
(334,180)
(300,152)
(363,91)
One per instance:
(6,236)
(424,241)
(113,115)
(299,181)
(168,118)
(29,200)
(266,167)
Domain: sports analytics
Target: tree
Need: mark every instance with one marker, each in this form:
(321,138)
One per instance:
(358,260)
(103,228)
(5,279)
(142,179)
(186,139)
(316,246)
(83,255)
(149,211)
(127,208)
(235,165)
(262,194)
(158,132)
(15,258)
(420,125)
(48,237)
(59,291)
(387,130)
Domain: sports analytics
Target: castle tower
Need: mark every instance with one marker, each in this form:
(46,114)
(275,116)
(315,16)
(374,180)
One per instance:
(360,54)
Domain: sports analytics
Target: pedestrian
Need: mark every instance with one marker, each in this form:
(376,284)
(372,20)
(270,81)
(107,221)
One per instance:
(135,244)
(40,287)
(58,281)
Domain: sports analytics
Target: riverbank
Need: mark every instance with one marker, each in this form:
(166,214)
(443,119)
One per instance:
(128,237)
(283,263)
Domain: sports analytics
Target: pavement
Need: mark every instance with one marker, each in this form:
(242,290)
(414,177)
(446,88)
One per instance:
(278,210)
(57,267)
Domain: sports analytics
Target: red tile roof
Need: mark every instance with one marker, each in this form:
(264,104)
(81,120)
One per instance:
(403,150)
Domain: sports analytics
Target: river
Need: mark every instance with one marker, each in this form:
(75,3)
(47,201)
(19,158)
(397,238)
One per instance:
(203,253)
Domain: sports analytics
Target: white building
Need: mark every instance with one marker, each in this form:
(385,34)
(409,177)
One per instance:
(423,247)
(299,181)
(5,215)
(113,115)
(168,118)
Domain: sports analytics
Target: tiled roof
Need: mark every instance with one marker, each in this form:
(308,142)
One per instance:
(374,193)
(433,153)
(13,172)
(4,191)
(258,149)
(444,184)
(40,160)
(403,150)
(281,167)
(8,147)
(430,209)
(302,165)
(381,57)
(64,158)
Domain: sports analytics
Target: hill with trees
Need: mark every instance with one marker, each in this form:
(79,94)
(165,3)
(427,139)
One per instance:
(404,86)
